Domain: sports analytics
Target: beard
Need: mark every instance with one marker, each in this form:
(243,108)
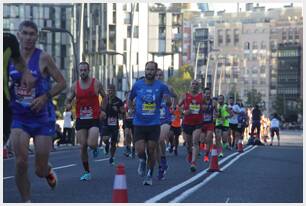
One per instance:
(149,77)
(84,77)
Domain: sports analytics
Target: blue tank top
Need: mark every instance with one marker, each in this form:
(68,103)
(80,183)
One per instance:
(165,114)
(148,102)
(51,109)
(21,100)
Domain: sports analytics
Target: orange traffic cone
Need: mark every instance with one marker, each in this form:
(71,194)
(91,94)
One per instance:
(214,166)
(5,153)
(120,194)
(240,146)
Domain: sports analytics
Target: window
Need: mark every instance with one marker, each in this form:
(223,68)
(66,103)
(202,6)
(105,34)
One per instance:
(236,36)
(129,31)
(255,46)
(136,32)
(124,44)
(228,36)
(290,34)
(263,45)
(162,19)
(296,34)
(246,45)
(137,58)
(162,33)
(284,35)
(220,37)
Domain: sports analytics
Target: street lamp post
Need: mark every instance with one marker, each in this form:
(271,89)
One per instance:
(197,54)
(207,64)
(54,29)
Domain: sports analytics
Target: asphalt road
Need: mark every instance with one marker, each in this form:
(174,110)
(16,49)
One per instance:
(260,174)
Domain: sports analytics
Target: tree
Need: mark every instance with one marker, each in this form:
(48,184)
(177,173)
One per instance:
(180,81)
(253,97)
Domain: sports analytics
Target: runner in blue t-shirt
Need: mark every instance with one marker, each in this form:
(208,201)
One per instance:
(148,94)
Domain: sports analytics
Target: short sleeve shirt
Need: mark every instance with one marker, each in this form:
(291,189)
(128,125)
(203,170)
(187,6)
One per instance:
(148,102)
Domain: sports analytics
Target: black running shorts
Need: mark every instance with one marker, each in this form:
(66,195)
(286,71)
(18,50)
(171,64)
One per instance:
(147,133)
(86,124)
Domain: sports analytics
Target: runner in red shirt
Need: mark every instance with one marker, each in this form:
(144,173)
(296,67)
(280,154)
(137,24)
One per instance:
(192,104)
(86,90)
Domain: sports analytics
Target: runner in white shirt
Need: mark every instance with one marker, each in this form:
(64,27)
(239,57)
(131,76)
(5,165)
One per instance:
(275,128)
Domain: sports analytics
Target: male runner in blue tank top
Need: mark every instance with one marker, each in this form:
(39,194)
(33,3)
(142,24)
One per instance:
(165,124)
(30,110)
(148,93)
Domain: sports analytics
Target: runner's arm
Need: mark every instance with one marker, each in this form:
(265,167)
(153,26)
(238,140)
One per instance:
(70,96)
(49,67)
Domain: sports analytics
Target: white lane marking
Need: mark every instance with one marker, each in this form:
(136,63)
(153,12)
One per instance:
(9,177)
(183,184)
(55,168)
(188,192)
(227,200)
(65,166)
(51,153)
(100,160)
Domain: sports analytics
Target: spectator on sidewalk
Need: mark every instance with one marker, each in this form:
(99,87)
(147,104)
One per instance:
(275,122)
(68,129)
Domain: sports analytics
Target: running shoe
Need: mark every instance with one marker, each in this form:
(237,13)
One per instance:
(161,173)
(133,154)
(171,149)
(193,167)
(95,153)
(111,161)
(206,159)
(148,180)
(86,176)
(221,155)
(142,167)
(164,165)
(106,149)
(127,152)
(52,178)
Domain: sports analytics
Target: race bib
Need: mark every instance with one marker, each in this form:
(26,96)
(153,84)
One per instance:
(86,113)
(207,118)
(112,121)
(148,108)
(194,108)
(23,97)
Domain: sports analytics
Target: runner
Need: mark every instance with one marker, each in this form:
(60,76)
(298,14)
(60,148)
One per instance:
(175,130)
(256,117)
(192,122)
(242,121)
(233,122)
(86,91)
(275,128)
(222,125)
(148,94)
(30,110)
(113,109)
(11,53)
(165,120)
(128,128)
(208,124)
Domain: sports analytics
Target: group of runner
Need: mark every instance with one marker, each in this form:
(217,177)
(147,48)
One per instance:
(152,114)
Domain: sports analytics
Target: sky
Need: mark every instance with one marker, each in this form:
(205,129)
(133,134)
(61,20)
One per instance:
(232,7)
